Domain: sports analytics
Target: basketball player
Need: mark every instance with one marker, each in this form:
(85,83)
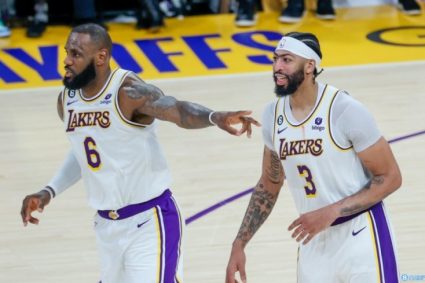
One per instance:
(338,167)
(110,119)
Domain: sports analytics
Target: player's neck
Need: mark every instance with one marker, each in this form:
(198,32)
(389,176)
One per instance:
(94,87)
(304,99)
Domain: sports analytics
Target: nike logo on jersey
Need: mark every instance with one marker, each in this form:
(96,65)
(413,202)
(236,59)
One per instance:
(354,233)
(71,102)
(141,224)
(281,130)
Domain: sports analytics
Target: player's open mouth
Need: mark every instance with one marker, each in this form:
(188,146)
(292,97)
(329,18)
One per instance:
(68,73)
(281,79)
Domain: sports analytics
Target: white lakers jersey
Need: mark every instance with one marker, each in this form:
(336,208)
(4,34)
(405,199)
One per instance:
(121,161)
(318,170)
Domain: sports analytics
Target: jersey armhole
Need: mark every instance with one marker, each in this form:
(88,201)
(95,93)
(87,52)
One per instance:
(330,124)
(121,115)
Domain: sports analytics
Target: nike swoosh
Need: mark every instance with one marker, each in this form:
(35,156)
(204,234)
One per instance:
(355,233)
(71,102)
(281,130)
(141,224)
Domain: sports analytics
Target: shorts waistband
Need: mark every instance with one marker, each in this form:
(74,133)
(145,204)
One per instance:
(344,219)
(133,209)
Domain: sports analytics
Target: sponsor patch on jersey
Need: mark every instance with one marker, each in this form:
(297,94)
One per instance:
(106,100)
(317,124)
(318,121)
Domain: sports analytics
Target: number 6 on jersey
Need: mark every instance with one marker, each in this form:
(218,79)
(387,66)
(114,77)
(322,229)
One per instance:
(93,157)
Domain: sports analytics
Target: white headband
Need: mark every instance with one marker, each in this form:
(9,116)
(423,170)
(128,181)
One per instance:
(298,48)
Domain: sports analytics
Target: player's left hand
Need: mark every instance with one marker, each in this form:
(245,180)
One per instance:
(311,223)
(225,121)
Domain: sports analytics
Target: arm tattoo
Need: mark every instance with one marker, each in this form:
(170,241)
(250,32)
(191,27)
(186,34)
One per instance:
(185,114)
(259,208)
(355,208)
(274,169)
(193,115)
(138,91)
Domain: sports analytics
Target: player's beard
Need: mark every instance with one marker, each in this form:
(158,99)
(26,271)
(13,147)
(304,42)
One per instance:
(82,79)
(294,81)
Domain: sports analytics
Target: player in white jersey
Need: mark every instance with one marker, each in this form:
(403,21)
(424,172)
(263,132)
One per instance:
(110,119)
(338,167)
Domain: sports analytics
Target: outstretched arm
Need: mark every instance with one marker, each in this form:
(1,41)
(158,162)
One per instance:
(386,178)
(260,206)
(139,100)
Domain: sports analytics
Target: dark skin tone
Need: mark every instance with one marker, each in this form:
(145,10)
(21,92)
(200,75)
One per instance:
(378,159)
(139,102)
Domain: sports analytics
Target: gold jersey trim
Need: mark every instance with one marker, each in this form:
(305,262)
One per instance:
(101,92)
(306,120)
(121,115)
(334,142)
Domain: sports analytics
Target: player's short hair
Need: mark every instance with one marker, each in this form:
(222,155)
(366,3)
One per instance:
(308,39)
(97,33)
(311,41)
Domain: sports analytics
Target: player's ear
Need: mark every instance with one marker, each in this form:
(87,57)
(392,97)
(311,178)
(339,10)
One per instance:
(309,67)
(102,56)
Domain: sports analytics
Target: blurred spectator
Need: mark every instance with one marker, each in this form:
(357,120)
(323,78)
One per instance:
(88,11)
(172,8)
(7,11)
(409,7)
(295,10)
(245,14)
(38,23)
(150,16)
(4,30)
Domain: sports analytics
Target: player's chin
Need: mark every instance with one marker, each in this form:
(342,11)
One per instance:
(67,81)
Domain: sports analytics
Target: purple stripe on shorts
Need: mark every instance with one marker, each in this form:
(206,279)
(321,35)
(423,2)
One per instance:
(387,255)
(172,230)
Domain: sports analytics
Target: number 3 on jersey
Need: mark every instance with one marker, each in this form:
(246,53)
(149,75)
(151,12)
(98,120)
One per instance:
(310,188)
(93,157)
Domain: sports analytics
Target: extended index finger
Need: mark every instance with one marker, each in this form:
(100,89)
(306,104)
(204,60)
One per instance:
(253,121)
(294,224)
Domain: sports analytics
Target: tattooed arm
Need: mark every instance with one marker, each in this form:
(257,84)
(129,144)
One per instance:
(259,208)
(141,102)
(380,161)
(386,178)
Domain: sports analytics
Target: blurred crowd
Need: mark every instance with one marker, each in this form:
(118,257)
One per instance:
(36,15)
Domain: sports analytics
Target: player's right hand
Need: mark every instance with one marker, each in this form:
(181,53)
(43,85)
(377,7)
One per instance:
(236,263)
(32,203)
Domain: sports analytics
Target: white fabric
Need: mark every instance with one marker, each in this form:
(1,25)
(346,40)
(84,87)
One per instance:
(67,175)
(122,162)
(352,123)
(322,167)
(318,170)
(299,48)
(133,250)
(335,255)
